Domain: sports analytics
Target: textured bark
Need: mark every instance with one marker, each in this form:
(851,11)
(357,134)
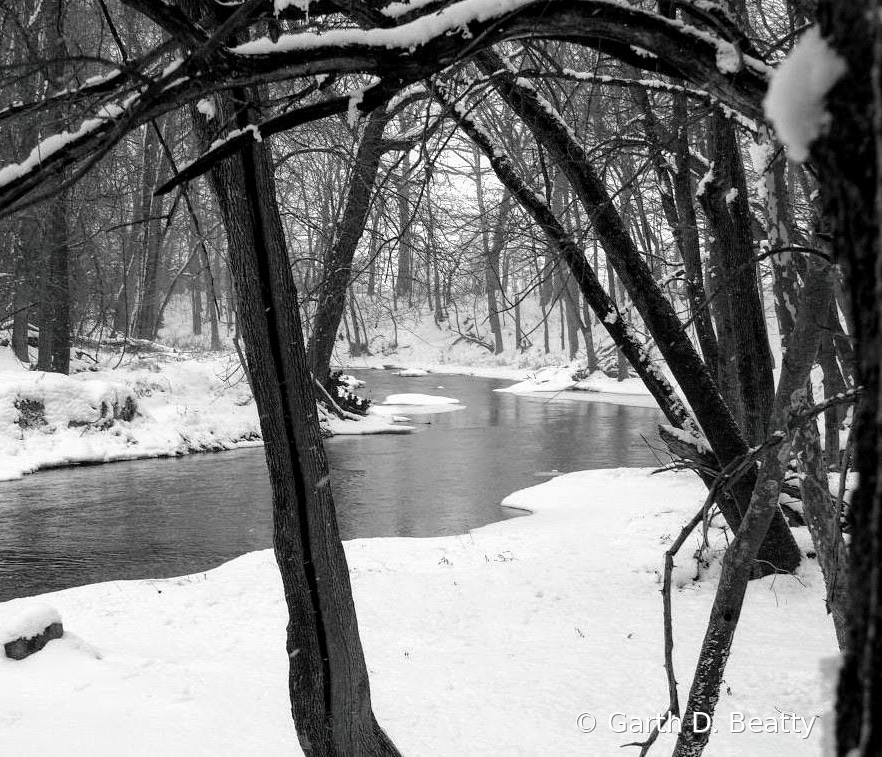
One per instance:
(491,271)
(53,348)
(779,227)
(847,158)
(725,204)
(404,280)
(823,525)
(686,234)
(492,242)
(21,302)
(834,384)
(739,558)
(155,172)
(328,681)
(721,310)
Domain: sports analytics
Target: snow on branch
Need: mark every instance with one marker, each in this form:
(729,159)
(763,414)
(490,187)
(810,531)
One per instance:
(411,51)
(795,103)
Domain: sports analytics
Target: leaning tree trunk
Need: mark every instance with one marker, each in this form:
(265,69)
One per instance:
(790,403)
(328,681)
(338,272)
(780,551)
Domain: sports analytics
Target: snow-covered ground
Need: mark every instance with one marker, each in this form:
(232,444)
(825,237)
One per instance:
(493,642)
(184,403)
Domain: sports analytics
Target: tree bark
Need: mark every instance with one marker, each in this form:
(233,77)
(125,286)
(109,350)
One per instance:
(328,681)
(738,561)
(725,204)
(847,158)
(691,373)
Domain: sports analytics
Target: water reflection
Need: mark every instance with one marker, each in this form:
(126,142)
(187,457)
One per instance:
(159,518)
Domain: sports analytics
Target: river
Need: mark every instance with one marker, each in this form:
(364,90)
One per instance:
(166,517)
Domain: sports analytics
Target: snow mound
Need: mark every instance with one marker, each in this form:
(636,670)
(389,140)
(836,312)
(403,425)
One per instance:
(419,399)
(412,373)
(29,622)
(350,381)
(554,379)
(48,401)
(600,382)
(795,101)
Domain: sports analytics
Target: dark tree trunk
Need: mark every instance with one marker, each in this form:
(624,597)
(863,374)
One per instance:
(738,561)
(404,280)
(53,349)
(686,234)
(156,171)
(491,271)
(721,309)
(847,158)
(621,361)
(691,373)
(328,681)
(21,302)
(725,204)
(338,271)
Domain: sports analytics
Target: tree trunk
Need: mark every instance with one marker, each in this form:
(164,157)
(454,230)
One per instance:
(725,204)
(738,562)
(404,280)
(328,682)
(847,157)
(491,270)
(53,349)
(338,272)
(659,316)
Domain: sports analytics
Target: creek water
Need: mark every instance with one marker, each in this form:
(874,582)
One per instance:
(159,518)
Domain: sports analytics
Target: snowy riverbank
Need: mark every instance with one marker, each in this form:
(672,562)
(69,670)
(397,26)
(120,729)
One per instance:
(493,642)
(185,404)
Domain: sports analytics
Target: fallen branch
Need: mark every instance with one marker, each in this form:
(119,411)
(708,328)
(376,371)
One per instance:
(673,698)
(334,407)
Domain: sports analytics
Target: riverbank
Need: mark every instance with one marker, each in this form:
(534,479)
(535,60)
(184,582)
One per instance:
(185,403)
(495,643)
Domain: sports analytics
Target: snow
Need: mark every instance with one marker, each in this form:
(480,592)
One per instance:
(184,406)
(795,103)
(206,107)
(31,620)
(371,424)
(356,97)
(510,632)
(351,381)
(79,400)
(598,381)
(53,144)
(449,20)
(691,438)
(705,180)
(419,399)
(412,372)
(551,379)
(280,5)
(729,59)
